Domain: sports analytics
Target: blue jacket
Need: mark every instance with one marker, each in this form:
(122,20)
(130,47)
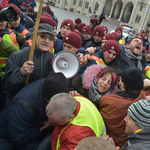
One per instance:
(20,123)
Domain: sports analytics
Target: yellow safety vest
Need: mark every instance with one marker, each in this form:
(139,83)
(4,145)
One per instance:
(88,116)
(147,71)
(98,60)
(121,41)
(12,39)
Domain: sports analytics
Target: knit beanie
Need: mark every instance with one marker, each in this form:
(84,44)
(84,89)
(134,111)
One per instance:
(77,31)
(47,8)
(119,28)
(31,10)
(81,25)
(78,20)
(144,50)
(140,113)
(1,7)
(15,8)
(105,27)
(54,83)
(148,50)
(73,39)
(87,29)
(28,2)
(114,36)
(47,15)
(47,20)
(93,20)
(112,44)
(140,35)
(132,78)
(24,4)
(146,34)
(69,23)
(99,30)
(108,36)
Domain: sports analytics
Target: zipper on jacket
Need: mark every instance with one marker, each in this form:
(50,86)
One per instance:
(42,66)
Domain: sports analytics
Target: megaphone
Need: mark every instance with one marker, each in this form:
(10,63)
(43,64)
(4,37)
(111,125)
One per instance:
(66,62)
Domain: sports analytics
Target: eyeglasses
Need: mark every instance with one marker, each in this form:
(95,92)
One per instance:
(45,37)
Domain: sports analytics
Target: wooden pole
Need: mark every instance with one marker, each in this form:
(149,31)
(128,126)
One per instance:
(34,36)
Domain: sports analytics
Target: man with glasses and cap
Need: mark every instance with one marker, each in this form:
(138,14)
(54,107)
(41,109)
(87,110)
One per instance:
(18,66)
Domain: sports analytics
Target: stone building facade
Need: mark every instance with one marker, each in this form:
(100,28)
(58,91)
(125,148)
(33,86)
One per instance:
(135,13)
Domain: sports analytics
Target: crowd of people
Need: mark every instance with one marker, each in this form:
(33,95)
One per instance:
(105,106)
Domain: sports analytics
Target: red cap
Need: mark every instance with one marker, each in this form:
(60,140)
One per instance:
(99,30)
(105,28)
(69,23)
(93,20)
(78,20)
(87,29)
(148,50)
(1,7)
(45,19)
(15,8)
(146,34)
(24,4)
(140,35)
(112,44)
(31,10)
(47,15)
(108,36)
(28,2)
(81,25)
(47,8)
(144,50)
(77,31)
(119,28)
(73,39)
(114,36)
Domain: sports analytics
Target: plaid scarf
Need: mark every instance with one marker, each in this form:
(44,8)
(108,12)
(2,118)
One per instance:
(94,95)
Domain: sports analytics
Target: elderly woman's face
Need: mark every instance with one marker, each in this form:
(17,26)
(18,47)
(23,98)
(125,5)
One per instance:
(104,83)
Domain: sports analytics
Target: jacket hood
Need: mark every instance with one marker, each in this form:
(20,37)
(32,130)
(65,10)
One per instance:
(89,75)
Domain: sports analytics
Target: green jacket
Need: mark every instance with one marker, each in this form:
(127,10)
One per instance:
(6,48)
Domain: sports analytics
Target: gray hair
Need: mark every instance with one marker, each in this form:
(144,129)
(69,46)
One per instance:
(64,103)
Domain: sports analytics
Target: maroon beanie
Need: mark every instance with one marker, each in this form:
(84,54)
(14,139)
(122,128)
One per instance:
(87,29)
(144,50)
(99,30)
(146,34)
(28,2)
(119,28)
(1,7)
(73,39)
(31,10)
(77,31)
(78,20)
(45,19)
(47,15)
(15,8)
(141,35)
(69,23)
(81,25)
(114,36)
(148,50)
(105,28)
(108,36)
(93,20)
(112,44)
(24,4)
(47,8)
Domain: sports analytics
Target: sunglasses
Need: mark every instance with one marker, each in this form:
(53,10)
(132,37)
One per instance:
(45,37)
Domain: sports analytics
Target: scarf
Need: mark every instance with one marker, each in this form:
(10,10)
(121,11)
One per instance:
(94,95)
(137,58)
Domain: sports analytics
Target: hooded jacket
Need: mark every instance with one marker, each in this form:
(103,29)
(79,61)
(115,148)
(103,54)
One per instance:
(138,141)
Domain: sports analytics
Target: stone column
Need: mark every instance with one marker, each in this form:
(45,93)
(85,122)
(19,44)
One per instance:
(121,14)
(112,8)
(69,5)
(101,6)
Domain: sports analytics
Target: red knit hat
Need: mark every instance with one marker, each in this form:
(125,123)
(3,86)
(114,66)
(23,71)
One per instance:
(99,30)
(47,15)
(148,50)
(31,10)
(28,2)
(45,19)
(140,35)
(24,4)
(108,36)
(15,8)
(119,28)
(73,39)
(146,34)
(144,50)
(77,31)
(114,36)
(105,28)
(1,7)
(69,23)
(112,44)
(93,20)
(81,25)
(47,8)
(87,29)
(78,20)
